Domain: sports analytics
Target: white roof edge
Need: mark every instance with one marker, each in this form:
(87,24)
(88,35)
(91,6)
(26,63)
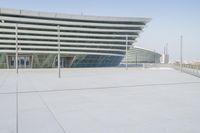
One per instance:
(71,16)
(146,49)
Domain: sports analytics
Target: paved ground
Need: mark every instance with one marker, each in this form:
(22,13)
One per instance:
(104,100)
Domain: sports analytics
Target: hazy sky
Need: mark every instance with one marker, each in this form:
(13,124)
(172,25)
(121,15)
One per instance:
(170,19)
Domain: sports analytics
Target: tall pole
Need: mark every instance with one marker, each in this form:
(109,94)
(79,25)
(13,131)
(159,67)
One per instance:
(181,53)
(16,40)
(126,52)
(16,63)
(136,59)
(154,57)
(17,106)
(59,74)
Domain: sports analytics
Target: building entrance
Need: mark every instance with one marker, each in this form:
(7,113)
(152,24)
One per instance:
(24,61)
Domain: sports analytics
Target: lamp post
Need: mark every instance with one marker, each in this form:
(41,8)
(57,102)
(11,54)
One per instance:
(154,56)
(181,54)
(16,63)
(136,58)
(126,52)
(16,53)
(59,74)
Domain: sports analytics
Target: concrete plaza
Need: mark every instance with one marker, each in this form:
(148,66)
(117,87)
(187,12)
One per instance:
(100,100)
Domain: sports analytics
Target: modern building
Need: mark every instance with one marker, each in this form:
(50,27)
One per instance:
(82,41)
(165,55)
(138,55)
(165,59)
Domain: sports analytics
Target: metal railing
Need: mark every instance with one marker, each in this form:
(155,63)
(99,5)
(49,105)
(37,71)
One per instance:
(189,68)
(186,68)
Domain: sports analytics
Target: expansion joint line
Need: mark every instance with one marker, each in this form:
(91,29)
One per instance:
(48,108)
(100,88)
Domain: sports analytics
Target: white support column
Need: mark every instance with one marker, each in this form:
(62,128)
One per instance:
(59,74)
(16,40)
(25,59)
(181,54)
(126,52)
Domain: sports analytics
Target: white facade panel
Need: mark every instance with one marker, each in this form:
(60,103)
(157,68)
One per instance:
(37,32)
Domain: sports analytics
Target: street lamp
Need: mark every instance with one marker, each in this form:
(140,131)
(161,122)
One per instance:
(126,52)
(16,41)
(59,74)
(181,54)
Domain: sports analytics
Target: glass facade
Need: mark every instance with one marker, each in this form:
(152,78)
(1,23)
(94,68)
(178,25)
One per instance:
(96,61)
(141,55)
(50,61)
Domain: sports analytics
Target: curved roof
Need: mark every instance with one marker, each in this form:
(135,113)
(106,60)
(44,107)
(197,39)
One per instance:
(146,49)
(70,16)
(41,32)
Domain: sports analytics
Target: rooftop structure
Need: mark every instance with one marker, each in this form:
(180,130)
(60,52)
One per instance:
(141,55)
